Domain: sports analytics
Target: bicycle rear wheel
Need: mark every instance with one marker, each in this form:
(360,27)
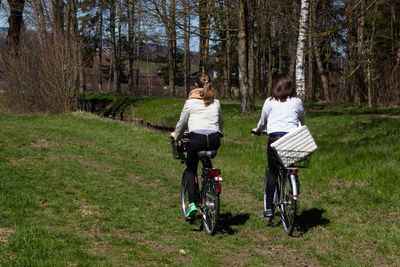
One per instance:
(288,205)
(210,205)
(184,195)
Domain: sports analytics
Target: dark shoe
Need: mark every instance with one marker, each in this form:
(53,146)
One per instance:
(268,213)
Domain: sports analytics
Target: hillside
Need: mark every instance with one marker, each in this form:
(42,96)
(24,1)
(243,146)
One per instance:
(77,189)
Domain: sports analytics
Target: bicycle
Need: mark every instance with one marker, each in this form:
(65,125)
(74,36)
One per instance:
(287,189)
(209,194)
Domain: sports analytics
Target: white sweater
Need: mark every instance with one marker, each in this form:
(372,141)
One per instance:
(197,116)
(281,116)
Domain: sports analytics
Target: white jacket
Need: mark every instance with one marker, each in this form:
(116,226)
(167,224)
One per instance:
(281,116)
(197,116)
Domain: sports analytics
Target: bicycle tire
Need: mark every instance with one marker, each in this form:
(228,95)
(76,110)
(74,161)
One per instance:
(184,195)
(210,206)
(288,205)
(269,219)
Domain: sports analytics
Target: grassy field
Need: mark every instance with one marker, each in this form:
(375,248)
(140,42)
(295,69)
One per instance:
(76,189)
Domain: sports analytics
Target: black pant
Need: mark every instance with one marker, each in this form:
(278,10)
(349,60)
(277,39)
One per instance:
(272,170)
(198,142)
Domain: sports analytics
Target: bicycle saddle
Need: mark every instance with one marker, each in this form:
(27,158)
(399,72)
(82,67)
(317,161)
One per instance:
(203,154)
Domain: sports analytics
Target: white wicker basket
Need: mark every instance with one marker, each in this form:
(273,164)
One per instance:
(295,146)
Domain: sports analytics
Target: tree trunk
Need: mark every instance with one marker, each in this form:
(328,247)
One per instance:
(293,41)
(251,51)
(119,48)
(100,32)
(324,80)
(113,43)
(171,32)
(138,45)
(40,22)
(369,58)
(310,88)
(245,99)
(57,13)
(202,37)
(76,38)
(186,56)
(360,53)
(15,22)
(300,80)
(131,25)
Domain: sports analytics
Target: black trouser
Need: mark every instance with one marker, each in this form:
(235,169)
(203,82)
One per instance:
(198,142)
(272,170)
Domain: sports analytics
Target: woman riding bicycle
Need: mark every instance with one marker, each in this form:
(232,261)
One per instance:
(202,116)
(281,113)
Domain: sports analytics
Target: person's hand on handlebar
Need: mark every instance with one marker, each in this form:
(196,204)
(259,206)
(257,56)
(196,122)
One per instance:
(255,131)
(172,135)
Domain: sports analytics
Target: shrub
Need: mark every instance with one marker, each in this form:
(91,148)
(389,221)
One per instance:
(42,76)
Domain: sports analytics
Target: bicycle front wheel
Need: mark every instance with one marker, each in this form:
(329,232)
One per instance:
(210,205)
(184,195)
(288,205)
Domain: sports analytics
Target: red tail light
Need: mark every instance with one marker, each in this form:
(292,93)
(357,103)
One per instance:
(219,188)
(215,172)
(294,171)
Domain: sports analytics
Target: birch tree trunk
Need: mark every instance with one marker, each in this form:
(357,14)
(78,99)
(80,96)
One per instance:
(300,79)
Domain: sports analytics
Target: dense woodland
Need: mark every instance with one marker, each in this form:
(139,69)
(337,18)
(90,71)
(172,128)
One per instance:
(342,51)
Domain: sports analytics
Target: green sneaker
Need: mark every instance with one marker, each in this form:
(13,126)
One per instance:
(192,211)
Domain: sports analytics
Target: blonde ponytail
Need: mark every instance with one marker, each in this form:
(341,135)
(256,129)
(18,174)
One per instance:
(203,81)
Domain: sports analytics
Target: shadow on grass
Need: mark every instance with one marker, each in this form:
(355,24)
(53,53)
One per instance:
(309,219)
(227,220)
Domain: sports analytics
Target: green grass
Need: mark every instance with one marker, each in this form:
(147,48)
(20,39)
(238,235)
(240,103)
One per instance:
(354,109)
(80,190)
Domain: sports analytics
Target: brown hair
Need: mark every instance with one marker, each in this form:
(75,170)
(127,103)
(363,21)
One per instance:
(204,81)
(283,89)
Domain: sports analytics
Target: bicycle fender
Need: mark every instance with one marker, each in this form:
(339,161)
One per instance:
(294,185)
